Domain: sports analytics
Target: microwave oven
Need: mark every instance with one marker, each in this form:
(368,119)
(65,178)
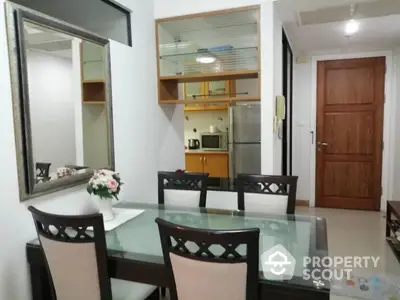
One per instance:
(214,141)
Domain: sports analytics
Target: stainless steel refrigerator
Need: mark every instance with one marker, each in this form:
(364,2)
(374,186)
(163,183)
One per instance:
(244,139)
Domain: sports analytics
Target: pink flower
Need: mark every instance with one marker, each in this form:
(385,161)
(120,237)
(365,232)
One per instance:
(112,185)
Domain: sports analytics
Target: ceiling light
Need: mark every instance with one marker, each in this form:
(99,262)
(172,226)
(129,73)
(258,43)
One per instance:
(352,27)
(205,59)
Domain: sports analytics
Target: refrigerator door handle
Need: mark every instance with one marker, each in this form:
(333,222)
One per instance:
(230,130)
(230,144)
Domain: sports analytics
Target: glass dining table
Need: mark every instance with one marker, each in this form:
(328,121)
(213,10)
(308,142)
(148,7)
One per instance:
(134,248)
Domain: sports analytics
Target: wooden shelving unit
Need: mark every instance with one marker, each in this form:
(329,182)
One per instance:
(232,46)
(93,81)
(209,100)
(93,92)
(93,84)
(232,75)
(207,107)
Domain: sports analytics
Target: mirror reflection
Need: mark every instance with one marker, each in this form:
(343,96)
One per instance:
(67,103)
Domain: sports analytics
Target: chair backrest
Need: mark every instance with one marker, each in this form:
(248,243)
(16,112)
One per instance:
(76,257)
(182,189)
(42,169)
(269,194)
(207,264)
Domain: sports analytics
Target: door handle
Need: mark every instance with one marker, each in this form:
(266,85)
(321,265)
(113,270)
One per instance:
(322,144)
(205,159)
(201,158)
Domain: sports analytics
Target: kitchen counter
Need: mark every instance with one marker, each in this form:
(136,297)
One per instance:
(205,152)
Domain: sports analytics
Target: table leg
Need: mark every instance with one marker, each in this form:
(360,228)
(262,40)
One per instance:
(388,219)
(40,283)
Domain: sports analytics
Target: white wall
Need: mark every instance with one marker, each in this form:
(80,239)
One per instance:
(172,8)
(95,138)
(52,109)
(77,98)
(395,166)
(302,127)
(165,128)
(278,85)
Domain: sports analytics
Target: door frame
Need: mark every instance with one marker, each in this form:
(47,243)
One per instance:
(389,112)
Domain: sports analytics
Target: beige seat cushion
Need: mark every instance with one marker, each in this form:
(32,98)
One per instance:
(181,198)
(199,280)
(266,203)
(73,268)
(126,290)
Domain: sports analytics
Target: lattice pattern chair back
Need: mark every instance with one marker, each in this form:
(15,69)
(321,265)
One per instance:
(268,194)
(207,264)
(182,189)
(42,172)
(42,169)
(75,257)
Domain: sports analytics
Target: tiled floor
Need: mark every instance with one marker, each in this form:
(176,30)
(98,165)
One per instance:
(357,233)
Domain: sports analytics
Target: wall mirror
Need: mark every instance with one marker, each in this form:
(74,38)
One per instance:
(62,101)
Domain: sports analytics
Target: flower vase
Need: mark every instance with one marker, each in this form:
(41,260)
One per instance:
(105,207)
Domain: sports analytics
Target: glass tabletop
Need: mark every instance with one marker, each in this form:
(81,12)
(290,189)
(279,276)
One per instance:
(302,236)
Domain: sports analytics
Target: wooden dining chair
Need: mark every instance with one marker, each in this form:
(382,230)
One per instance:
(75,253)
(204,264)
(268,194)
(182,189)
(42,169)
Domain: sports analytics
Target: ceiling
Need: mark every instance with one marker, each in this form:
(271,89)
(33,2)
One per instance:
(46,40)
(317,26)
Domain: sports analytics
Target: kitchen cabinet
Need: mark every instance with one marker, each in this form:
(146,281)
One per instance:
(209,90)
(194,163)
(189,50)
(214,163)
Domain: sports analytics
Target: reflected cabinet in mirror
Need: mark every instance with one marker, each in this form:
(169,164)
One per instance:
(62,101)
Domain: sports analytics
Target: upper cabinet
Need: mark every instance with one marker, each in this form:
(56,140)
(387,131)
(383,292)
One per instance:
(93,73)
(93,62)
(203,57)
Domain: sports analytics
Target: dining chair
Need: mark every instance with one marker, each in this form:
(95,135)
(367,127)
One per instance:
(205,264)
(42,169)
(75,253)
(268,194)
(182,189)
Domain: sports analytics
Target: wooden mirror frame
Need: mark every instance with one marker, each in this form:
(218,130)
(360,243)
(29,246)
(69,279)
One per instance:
(16,15)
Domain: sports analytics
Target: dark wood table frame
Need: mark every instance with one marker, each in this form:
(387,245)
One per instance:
(392,226)
(121,267)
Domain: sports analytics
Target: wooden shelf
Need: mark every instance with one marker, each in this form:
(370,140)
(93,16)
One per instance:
(206,107)
(205,152)
(93,81)
(210,100)
(93,92)
(245,74)
(93,102)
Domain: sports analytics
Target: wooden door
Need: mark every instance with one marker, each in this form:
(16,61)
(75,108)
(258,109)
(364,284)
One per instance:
(216,165)
(194,163)
(350,98)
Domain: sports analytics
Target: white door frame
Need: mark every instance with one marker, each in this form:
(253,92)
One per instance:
(388,126)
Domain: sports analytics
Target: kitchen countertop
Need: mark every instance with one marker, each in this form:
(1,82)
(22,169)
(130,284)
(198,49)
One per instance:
(206,151)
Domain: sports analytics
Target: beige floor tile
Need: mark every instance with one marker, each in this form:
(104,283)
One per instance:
(357,233)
